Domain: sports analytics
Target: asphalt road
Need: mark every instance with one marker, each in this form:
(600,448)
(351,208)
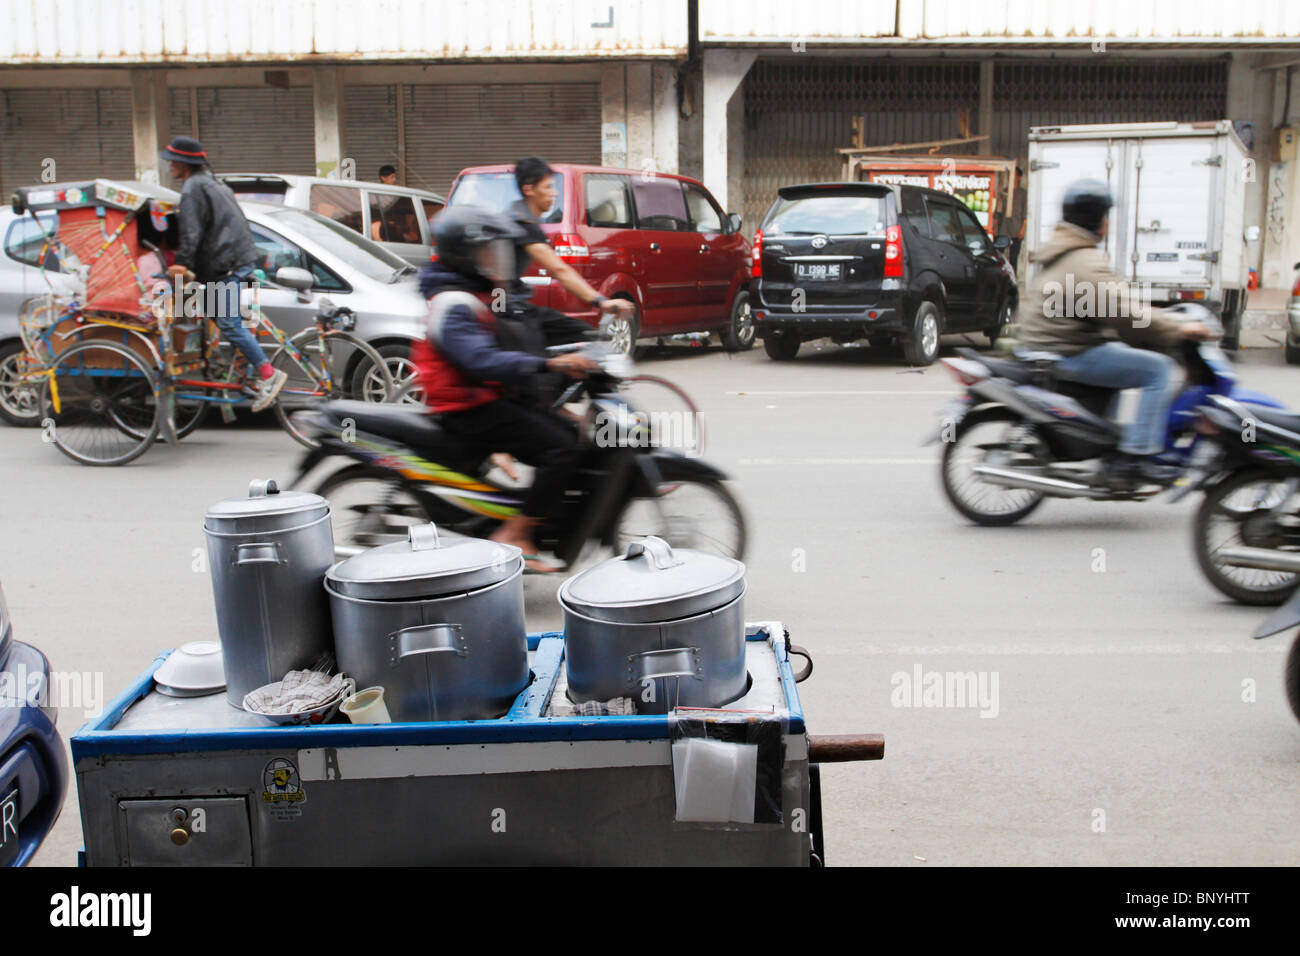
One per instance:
(1118,733)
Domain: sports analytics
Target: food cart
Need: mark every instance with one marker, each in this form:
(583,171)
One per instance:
(194,781)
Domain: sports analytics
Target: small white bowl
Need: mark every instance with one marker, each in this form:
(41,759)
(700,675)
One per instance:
(195,668)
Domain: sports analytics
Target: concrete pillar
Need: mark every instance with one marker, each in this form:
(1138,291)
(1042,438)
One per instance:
(663,106)
(724,70)
(734,198)
(1281,209)
(1250,99)
(327,108)
(984,122)
(149,121)
(638,99)
(690,123)
(613,114)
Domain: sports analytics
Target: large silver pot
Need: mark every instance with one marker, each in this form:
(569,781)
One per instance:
(438,623)
(268,553)
(663,627)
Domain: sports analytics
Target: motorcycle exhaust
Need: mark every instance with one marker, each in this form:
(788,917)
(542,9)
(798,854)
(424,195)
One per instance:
(1262,559)
(1052,486)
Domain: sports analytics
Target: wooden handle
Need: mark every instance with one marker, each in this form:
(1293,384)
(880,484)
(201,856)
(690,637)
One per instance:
(839,748)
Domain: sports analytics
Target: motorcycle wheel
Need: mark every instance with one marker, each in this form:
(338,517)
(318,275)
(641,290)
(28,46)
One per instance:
(697,514)
(1221,521)
(981,502)
(369,507)
(1293,677)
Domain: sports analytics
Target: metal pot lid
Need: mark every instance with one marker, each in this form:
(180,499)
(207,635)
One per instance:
(265,508)
(425,565)
(652,582)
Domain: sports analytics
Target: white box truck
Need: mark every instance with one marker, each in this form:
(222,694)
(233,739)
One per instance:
(1177,228)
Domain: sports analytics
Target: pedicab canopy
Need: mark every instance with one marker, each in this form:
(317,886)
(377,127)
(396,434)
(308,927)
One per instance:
(108,226)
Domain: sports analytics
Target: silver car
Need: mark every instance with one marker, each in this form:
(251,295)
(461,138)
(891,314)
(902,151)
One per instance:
(376,285)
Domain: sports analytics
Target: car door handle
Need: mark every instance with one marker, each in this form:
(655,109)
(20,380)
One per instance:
(654,247)
(704,247)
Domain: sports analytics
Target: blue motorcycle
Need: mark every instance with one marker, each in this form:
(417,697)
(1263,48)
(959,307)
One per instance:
(1021,434)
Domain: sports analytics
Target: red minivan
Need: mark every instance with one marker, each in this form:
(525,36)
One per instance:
(656,239)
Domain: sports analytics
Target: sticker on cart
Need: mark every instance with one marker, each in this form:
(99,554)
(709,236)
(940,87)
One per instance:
(282,788)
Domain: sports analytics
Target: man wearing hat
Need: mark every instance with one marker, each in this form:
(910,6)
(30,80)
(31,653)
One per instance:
(217,246)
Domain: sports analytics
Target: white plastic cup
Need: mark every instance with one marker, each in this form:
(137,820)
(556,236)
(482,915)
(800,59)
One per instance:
(367,707)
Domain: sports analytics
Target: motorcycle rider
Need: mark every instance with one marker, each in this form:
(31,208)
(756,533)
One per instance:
(480,363)
(1079,308)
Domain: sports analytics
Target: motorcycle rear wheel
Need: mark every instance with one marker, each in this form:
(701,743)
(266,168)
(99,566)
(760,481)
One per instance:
(996,506)
(1230,504)
(693,513)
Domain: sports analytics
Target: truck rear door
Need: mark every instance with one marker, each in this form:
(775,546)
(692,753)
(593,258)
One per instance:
(824,247)
(1173,180)
(1054,166)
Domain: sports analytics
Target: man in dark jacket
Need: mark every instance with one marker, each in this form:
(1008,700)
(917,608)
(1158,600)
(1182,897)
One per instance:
(479,367)
(217,247)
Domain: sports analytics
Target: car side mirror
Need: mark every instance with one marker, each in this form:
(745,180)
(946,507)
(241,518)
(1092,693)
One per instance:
(733,220)
(1002,243)
(292,277)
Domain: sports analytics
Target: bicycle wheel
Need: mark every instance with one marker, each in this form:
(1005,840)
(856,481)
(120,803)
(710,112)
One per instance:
(675,421)
(137,418)
(95,385)
(317,364)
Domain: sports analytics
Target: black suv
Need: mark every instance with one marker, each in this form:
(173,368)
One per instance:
(885,263)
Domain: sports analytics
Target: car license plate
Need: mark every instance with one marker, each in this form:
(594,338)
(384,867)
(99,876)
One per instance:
(817,271)
(9,827)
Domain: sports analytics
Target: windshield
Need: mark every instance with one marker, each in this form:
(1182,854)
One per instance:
(496,191)
(833,215)
(354,251)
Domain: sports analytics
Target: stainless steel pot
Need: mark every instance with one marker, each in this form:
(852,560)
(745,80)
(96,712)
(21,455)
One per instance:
(268,553)
(439,624)
(663,627)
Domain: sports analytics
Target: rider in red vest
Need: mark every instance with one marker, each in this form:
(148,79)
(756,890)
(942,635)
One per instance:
(484,367)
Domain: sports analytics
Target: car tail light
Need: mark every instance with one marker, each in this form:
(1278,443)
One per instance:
(894,252)
(756,270)
(571,248)
(1295,289)
(1190,295)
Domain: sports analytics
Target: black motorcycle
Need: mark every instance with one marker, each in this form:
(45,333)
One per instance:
(1247,530)
(405,469)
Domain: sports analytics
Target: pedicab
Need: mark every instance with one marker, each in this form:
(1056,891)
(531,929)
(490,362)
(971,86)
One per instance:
(123,354)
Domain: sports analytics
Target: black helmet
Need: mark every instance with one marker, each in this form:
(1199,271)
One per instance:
(460,231)
(1086,203)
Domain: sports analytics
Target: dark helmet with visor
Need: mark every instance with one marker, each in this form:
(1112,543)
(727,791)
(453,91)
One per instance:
(475,241)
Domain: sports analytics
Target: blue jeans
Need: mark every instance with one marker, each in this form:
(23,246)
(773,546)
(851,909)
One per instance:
(224,295)
(1116,365)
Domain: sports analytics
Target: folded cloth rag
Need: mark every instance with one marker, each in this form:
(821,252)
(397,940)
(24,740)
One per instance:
(618,707)
(300,691)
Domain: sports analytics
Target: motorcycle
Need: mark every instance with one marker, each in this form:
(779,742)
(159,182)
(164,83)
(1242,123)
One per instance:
(406,469)
(1021,434)
(1247,530)
(1285,618)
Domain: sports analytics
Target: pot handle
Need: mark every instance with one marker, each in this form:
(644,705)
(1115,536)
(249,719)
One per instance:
(425,639)
(423,537)
(257,552)
(803,673)
(261,487)
(658,551)
(673,662)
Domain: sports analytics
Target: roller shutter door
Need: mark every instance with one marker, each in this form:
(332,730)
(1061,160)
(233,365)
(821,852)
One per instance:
(257,129)
(85,131)
(449,127)
(370,129)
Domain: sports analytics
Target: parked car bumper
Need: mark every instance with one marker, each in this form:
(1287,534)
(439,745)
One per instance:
(32,759)
(883,319)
